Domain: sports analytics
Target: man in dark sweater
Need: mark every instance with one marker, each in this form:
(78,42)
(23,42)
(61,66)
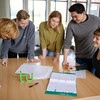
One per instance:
(82,27)
(23,45)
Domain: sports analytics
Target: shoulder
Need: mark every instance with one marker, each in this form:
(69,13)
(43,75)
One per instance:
(31,23)
(93,17)
(72,24)
(30,26)
(43,24)
(61,27)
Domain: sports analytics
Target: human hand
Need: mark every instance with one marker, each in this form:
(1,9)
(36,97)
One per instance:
(34,60)
(4,61)
(41,57)
(65,63)
(70,68)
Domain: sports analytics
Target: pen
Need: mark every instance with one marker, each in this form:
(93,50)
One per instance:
(33,85)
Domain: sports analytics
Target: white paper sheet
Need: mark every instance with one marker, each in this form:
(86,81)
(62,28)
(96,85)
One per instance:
(39,72)
(80,73)
(61,82)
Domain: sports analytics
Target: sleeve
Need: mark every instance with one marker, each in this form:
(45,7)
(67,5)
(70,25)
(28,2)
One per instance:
(69,35)
(31,41)
(6,44)
(82,67)
(99,22)
(60,40)
(41,36)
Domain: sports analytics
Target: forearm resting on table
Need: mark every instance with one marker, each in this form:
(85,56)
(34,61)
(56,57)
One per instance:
(44,52)
(57,57)
(66,52)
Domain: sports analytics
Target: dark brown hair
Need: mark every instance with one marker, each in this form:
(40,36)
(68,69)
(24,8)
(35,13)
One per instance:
(97,32)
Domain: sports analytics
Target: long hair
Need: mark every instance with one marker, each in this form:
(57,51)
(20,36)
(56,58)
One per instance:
(97,32)
(8,28)
(58,15)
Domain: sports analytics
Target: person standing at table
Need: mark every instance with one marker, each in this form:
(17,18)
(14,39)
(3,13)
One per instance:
(82,27)
(8,29)
(96,56)
(23,45)
(51,35)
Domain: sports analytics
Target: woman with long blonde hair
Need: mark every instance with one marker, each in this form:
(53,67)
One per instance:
(51,34)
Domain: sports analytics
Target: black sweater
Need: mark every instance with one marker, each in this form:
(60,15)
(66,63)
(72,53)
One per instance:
(95,63)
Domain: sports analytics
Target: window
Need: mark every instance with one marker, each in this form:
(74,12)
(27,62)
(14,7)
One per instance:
(15,6)
(61,6)
(95,7)
(37,11)
(84,2)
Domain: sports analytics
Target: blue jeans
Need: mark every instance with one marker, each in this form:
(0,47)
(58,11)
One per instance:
(87,62)
(50,53)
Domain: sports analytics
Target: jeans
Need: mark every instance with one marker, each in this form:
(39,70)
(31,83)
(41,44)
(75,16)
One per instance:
(87,62)
(14,55)
(50,53)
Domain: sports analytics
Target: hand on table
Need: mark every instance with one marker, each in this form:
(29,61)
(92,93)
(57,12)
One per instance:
(65,63)
(34,60)
(70,68)
(4,61)
(41,57)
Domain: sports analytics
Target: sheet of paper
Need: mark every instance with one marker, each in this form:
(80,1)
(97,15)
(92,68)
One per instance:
(80,73)
(39,72)
(60,82)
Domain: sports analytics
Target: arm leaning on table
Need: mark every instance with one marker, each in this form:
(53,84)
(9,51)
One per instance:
(67,44)
(31,43)
(42,41)
(6,44)
(80,67)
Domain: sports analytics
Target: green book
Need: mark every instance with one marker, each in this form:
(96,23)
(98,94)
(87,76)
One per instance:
(62,84)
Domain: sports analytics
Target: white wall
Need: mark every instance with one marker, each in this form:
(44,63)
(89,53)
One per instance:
(4,8)
(4,12)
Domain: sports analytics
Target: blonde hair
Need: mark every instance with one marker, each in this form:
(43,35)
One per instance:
(22,14)
(58,15)
(8,28)
(97,32)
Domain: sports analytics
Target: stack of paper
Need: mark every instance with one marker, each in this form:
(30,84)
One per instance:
(62,84)
(39,72)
